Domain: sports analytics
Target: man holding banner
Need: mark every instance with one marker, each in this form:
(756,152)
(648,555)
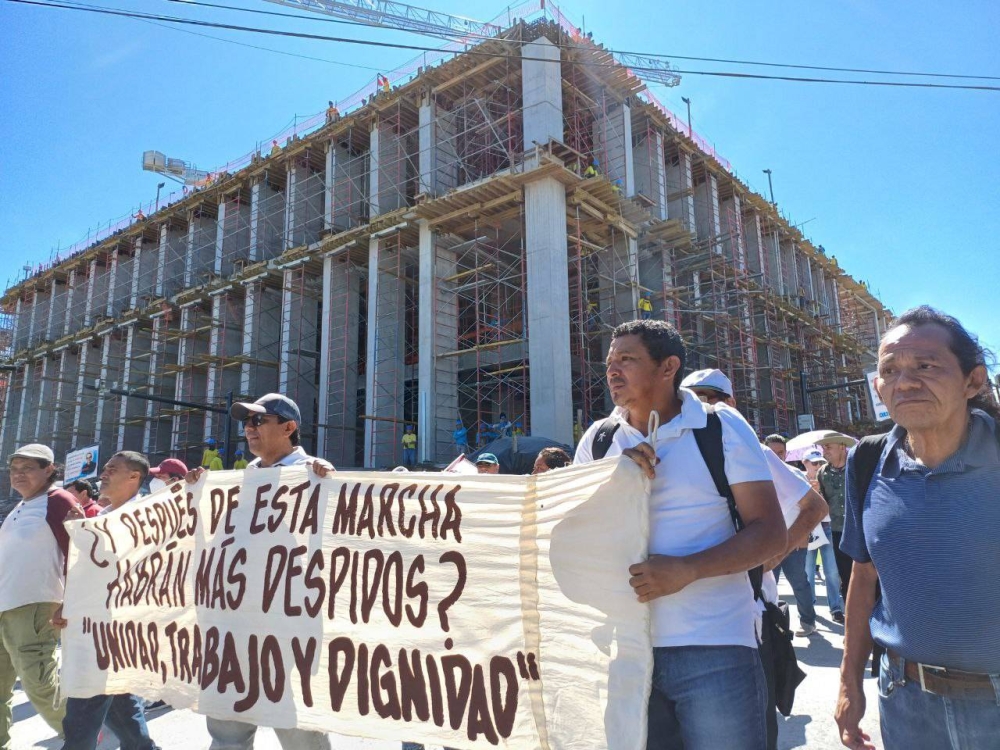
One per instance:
(271,426)
(125,715)
(709,688)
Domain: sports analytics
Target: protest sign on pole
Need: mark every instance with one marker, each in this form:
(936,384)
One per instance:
(468,611)
(878,405)
(82,463)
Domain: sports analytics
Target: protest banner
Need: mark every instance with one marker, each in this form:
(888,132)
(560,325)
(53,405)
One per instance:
(469,611)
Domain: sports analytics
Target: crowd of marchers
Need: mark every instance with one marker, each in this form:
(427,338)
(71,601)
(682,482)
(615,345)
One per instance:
(905,524)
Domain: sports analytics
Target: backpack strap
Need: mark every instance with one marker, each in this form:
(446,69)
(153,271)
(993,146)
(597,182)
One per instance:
(709,440)
(603,437)
(867,453)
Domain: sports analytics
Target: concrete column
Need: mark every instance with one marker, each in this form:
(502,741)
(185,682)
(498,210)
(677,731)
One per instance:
(54,309)
(249,320)
(43,416)
(214,369)
(370,347)
(706,209)
(62,419)
(680,190)
(735,249)
(109,307)
(88,310)
(19,332)
(137,258)
(157,356)
(629,176)
(548,310)
(753,236)
(32,316)
(437,376)
(427,148)
(292,210)
(338,389)
(220,237)
(69,320)
(385,368)
(373,171)
(650,173)
(255,220)
(426,406)
(541,77)
(21,435)
(330,181)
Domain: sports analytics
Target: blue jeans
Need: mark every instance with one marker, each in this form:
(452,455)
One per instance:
(123,714)
(794,568)
(914,720)
(830,573)
(409,456)
(706,698)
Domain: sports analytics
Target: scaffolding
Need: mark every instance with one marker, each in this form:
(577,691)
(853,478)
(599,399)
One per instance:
(481,302)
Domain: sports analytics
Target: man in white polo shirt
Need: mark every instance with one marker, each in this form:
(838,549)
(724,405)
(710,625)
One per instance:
(271,425)
(709,688)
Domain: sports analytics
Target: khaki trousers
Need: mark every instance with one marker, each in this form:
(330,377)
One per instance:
(28,650)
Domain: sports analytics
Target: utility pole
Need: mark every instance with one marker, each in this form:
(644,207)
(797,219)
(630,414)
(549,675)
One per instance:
(158,187)
(770,186)
(688,103)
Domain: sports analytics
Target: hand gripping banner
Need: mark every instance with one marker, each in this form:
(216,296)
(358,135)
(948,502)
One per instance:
(468,611)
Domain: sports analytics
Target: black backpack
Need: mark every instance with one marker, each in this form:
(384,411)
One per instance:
(709,440)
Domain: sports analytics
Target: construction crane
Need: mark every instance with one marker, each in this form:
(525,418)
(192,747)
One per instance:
(176,169)
(395,16)
(405,17)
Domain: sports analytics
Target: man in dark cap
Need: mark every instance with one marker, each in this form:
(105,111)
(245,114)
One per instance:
(271,426)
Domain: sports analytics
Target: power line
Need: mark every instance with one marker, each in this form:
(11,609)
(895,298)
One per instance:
(258,47)
(422,48)
(664,56)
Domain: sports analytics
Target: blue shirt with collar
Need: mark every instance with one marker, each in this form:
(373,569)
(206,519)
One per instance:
(934,538)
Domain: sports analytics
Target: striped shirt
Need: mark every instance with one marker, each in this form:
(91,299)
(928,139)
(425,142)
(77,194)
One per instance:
(934,538)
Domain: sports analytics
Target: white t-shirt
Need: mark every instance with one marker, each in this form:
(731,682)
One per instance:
(31,563)
(791,486)
(687,515)
(297,457)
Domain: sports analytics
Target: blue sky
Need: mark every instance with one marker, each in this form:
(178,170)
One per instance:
(899,184)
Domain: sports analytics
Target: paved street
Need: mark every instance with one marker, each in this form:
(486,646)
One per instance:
(811,725)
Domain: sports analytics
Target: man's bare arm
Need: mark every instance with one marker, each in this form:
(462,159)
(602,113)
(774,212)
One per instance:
(857,649)
(812,510)
(762,537)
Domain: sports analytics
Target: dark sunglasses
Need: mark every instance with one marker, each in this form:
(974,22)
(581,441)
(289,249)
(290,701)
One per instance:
(258,419)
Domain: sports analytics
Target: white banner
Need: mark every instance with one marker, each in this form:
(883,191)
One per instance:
(468,611)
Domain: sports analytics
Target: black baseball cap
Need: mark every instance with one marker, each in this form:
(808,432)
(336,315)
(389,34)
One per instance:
(272,403)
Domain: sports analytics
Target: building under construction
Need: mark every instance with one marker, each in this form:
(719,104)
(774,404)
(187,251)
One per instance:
(458,244)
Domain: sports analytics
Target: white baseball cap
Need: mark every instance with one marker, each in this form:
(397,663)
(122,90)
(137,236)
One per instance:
(713,380)
(36,451)
(814,457)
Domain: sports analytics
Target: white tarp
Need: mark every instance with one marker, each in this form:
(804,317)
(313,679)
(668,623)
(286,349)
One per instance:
(468,611)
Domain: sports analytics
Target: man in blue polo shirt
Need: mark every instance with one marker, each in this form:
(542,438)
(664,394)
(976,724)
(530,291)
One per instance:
(926,528)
